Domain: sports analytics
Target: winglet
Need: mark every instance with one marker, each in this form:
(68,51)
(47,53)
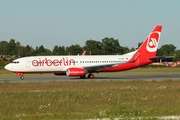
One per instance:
(84,53)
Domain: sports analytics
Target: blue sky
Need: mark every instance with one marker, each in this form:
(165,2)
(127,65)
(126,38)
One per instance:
(68,22)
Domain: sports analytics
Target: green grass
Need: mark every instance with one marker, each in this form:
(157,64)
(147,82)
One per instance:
(94,99)
(81,100)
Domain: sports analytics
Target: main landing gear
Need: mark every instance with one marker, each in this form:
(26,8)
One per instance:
(90,75)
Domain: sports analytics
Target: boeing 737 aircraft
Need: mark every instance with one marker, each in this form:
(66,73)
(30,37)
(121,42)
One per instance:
(88,64)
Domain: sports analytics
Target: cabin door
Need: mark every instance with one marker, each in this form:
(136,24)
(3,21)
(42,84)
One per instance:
(27,63)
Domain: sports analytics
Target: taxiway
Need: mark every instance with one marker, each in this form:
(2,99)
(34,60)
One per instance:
(98,77)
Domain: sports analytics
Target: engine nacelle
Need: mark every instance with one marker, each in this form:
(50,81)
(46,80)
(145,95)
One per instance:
(60,73)
(75,72)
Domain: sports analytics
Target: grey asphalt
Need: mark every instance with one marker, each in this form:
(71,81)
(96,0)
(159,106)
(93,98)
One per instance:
(98,77)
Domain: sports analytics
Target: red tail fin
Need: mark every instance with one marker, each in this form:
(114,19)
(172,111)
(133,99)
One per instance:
(149,47)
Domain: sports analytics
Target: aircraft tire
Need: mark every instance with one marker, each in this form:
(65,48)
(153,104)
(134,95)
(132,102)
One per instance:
(91,76)
(22,77)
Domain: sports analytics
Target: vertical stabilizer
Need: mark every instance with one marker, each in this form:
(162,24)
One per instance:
(149,47)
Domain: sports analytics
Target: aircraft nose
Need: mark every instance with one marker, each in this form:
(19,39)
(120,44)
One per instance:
(8,67)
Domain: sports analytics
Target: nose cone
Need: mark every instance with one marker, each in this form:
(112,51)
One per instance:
(8,67)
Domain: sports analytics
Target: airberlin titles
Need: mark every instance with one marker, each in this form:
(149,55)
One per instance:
(53,62)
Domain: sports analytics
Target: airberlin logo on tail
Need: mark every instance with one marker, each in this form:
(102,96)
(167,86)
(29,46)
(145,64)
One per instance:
(152,42)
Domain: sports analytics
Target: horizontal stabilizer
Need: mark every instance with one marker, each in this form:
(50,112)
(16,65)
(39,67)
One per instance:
(156,58)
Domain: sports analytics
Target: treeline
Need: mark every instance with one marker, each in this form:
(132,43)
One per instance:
(108,46)
(12,49)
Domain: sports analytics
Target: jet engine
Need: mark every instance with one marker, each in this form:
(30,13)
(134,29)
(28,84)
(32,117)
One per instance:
(75,72)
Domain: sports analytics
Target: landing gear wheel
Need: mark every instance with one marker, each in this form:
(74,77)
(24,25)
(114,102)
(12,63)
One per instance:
(22,77)
(91,76)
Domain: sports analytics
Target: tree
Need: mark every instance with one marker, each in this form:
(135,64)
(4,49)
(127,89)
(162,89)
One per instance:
(46,52)
(42,51)
(18,46)
(124,50)
(4,48)
(177,57)
(166,50)
(27,51)
(62,50)
(132,49)
(56,50)
(111,46)
(22,51)
(12,47)
(93,47)
(139,44)
(59,50)
(74,49)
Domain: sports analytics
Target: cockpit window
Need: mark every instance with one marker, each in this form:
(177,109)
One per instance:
(16,62)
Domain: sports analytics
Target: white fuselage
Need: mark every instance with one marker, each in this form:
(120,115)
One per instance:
(62,63)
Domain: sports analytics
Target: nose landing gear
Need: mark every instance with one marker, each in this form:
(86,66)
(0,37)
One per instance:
(20,74)
(22,77)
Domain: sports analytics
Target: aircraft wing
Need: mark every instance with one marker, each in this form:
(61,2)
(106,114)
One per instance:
(100,67)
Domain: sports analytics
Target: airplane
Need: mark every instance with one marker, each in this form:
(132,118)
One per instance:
(79,66)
